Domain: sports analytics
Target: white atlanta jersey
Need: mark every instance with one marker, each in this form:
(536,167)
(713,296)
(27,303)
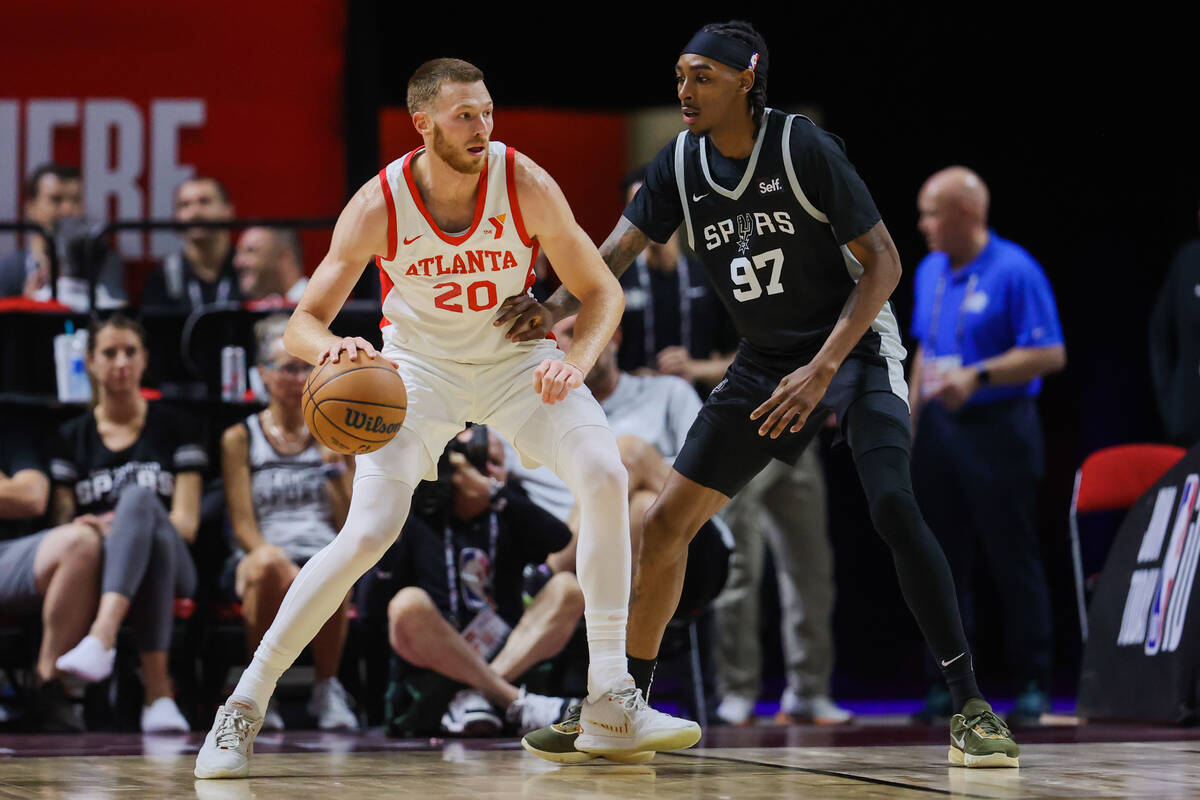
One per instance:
(441,290)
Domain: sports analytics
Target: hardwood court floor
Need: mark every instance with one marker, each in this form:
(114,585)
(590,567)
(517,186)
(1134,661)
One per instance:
(336,767)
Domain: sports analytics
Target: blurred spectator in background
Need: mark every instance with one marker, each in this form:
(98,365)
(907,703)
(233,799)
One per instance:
(461,614)
(651,415)
(202,272)
(270,266)
(784,506)
(673,322)
(54,201)
(287,497)
(987,329)
(133,469)
(56,570)
(1175,347)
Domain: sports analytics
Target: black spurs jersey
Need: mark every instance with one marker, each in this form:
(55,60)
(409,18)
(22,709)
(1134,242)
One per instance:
(171,442)
(771,232)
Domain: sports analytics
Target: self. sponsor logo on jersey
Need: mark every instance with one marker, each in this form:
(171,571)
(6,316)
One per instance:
(769,186)
(759,223)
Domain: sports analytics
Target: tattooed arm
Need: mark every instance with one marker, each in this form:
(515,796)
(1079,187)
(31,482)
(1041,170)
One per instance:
(532,320)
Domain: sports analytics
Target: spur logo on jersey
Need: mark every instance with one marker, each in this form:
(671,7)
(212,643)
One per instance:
(1157,602)
(770,186)
(369,424)
(463,263)
(758,223)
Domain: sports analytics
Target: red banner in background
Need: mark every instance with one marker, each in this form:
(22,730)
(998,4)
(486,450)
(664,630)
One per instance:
(143,95)
(585,152)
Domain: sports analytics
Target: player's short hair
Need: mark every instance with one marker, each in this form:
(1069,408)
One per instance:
(424,84)
(744,32)
(60,171)
(267,331)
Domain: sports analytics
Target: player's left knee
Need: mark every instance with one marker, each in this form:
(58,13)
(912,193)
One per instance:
(895,514)
(664,533)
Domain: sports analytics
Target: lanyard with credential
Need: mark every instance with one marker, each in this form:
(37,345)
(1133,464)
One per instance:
(452,567)
(935,315)
(649,339)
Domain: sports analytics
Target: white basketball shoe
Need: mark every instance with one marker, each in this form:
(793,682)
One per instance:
(229,745)
(621,721)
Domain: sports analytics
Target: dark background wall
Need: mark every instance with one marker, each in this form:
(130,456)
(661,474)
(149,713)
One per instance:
(1084,128)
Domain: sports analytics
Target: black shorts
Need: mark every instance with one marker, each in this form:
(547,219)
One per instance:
(723,449)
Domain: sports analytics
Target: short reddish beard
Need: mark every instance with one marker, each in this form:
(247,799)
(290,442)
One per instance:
(455,157)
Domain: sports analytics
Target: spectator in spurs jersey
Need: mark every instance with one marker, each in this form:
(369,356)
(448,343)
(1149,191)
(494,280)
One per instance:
(288,497)
(202,272)
(133,470)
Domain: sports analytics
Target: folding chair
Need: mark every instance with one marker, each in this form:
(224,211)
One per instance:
(1113,479)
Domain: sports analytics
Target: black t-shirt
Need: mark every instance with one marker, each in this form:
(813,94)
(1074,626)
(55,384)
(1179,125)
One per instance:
(665,309)
(770,231)
(18,452)
(192,291)
(171,443)
(525,534)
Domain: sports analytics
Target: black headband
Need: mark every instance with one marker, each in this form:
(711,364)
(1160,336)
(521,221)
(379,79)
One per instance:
(728,51)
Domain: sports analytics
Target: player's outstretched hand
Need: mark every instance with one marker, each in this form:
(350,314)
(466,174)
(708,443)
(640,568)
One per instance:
(530,319)
(554,378)
(353,345)
(795,397)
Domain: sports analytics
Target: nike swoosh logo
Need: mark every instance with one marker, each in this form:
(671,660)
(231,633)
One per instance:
(696,198)
(951,661)
(410,241)
(959,743)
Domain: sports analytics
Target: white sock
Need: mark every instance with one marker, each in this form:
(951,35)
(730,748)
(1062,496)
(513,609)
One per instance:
(88,660)
(378,508)
(607,664)
(590,464)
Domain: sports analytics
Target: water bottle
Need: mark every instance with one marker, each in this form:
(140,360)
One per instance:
(70,368)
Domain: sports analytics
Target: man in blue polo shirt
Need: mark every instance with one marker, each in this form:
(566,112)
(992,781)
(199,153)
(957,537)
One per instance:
(987,330)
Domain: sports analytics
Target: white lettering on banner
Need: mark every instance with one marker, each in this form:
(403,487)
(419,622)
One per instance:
(167,117)
(121,120)
(9,173)
(113,135)
(1186,577)
(1168,590)
(1137,603)
(1156,531)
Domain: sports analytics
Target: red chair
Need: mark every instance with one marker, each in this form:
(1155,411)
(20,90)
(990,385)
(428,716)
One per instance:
(1110,480)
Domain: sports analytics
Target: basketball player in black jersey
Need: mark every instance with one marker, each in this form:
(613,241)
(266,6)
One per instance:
(797,251)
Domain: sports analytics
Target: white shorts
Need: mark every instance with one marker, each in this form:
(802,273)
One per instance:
(444,395)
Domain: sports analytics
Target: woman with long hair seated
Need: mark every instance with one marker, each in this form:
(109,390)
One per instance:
(133,470)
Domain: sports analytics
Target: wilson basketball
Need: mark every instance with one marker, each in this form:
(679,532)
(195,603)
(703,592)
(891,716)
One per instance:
(354,407)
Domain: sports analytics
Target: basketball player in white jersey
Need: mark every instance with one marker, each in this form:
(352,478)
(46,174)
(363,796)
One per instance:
(455,226)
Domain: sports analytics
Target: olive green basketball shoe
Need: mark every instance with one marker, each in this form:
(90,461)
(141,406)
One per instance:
(557,743)
(979,738)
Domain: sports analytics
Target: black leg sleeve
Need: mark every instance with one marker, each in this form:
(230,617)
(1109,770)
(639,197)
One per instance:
(881,456)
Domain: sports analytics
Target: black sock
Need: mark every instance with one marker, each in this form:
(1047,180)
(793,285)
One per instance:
(960,678)
(642,670)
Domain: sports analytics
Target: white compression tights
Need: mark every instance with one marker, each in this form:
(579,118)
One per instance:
(590,464)
(377,512)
